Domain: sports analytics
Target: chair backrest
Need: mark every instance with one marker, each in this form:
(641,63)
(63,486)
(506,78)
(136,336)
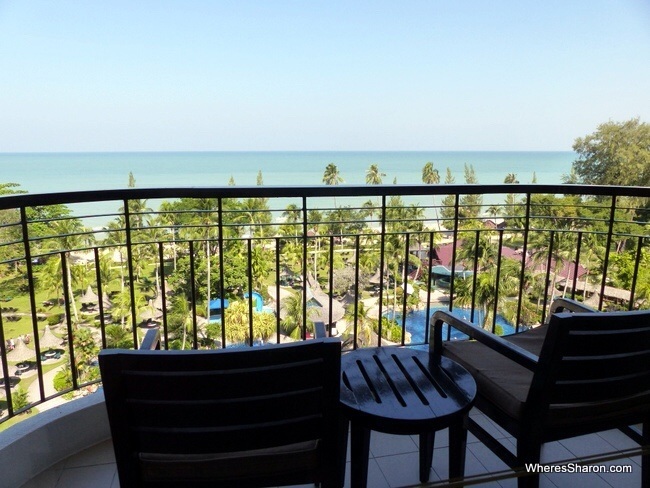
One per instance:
(246,417)
(597,362)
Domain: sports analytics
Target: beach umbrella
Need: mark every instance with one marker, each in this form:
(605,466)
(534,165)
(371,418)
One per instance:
(151,312)
(158,302)
(21,352)
(106,302)
(48,340)
(89,297)
(375,279)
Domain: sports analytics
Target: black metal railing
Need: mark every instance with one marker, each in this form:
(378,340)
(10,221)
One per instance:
(227,266)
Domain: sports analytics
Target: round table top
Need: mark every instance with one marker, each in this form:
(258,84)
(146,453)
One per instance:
(402,391)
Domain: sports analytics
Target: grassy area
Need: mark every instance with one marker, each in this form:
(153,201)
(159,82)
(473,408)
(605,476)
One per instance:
(25,384)
(20,307)
(18,418)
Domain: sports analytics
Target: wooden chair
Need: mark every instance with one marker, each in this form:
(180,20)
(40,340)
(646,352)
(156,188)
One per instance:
(581,373)
(262,416)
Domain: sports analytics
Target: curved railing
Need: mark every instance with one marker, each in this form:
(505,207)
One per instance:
(82,271)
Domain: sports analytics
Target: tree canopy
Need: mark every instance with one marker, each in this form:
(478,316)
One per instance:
(618,153)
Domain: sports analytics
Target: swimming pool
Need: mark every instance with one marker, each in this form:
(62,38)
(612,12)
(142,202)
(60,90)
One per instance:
(416,321)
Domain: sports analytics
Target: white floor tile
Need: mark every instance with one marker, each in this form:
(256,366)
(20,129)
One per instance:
(100,476)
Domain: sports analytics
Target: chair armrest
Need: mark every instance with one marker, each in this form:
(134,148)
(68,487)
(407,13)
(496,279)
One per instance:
(493,341)
(568,305)
(151,340)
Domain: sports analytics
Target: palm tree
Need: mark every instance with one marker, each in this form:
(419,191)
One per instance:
(291,216)
(563,246)
(594,251)
(294,321)
(511,205)
(448,208)
(69,236)
(363,321)
(238,325)
(49,277)
(493,211)
(470,205)
(206,207)
(137,208)
(486,291)
(481,250)
(116,336)
(373,175)
(511,178)
(332,177)
(122,305)
(431,176)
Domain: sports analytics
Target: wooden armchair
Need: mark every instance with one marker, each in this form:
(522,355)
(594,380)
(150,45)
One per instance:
(583,372)
(262,416)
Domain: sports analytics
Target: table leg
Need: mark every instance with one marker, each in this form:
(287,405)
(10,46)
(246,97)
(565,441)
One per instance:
(457,448)
(359,451)
(426,454)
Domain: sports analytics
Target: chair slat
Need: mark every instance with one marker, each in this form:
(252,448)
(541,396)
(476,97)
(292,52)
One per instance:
(593,367)
(251,409)
(600,390)
(224,439)
(215,384)
(607,342)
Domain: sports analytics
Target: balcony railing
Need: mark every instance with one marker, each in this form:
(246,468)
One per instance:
(238,266)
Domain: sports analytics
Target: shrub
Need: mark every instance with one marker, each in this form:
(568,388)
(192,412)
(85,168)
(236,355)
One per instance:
(20,400)
(54,319)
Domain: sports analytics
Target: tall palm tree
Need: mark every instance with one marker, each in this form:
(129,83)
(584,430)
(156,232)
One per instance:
(563,247)
(486,291)
(364,322)
(291,216)
(512,207)
(332,177)
(431,176)
(481,250)
(448,208)
(493,211)
(373,175)
(179,320)
(294,321)
(206,207)
(49,277)
(69,236)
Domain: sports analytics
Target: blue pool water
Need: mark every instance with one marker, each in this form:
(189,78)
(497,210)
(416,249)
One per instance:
(416,322)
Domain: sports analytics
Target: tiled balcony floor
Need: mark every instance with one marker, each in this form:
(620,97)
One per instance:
(393,463)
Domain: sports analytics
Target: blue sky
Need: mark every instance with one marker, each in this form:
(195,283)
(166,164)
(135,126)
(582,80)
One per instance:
(312,75)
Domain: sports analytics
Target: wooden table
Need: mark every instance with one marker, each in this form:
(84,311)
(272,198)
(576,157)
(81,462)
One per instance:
(405,391)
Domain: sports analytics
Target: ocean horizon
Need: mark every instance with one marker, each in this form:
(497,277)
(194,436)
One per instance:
(62,172)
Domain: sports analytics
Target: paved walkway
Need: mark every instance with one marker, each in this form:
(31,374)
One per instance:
(48,384)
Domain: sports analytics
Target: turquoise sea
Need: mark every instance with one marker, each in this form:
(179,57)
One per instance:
(54,172)
(59,172)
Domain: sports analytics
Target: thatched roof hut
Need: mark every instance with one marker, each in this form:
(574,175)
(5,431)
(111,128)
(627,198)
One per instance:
(89,297)
(48,340)
(20,352)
